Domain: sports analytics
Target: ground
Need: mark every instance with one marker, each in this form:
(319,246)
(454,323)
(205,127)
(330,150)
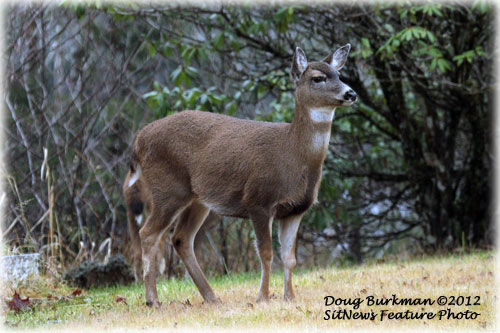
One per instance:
(464,278)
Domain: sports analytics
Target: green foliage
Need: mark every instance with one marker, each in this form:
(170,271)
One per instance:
(416,36)
(78,7)
(164,101)
(281,109)
(282,18)
(365,50)
(469,56)
(482,6)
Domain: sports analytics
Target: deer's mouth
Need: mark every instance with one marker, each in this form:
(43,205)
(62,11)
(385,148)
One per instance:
(344,102)
(347,102)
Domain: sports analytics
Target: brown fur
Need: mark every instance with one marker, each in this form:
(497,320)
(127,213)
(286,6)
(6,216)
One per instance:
(194,162)
(137,205)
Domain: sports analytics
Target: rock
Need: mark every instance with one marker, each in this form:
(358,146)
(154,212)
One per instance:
(17,268)
(96,274)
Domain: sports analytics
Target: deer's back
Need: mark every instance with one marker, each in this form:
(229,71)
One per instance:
(224,159)
(191,132)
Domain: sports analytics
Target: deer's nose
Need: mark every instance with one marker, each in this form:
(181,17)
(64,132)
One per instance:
(350,95)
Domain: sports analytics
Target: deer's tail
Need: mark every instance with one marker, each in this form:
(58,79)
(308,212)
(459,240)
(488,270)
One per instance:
(132,188)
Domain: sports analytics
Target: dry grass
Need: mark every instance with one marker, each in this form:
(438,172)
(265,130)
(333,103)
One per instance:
(467,275)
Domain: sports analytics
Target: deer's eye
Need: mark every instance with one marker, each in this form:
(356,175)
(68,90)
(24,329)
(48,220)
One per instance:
(318,79)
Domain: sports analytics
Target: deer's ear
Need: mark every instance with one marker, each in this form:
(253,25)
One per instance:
(299,64)
(339,57)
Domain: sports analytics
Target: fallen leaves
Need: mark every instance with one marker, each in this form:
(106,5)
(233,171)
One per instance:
(77,292)
(120,299)
(18,304)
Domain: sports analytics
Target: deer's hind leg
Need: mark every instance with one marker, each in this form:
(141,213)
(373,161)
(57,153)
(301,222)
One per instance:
(166,206)
(135,244)
(183,239)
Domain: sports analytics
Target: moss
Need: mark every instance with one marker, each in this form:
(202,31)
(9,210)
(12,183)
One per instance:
(115,271)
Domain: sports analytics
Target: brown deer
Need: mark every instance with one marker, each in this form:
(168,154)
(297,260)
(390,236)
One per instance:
(137,207)
(194,162)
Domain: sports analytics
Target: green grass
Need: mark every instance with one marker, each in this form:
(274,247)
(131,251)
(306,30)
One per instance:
(459,275)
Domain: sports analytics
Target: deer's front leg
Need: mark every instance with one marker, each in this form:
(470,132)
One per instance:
(262,224)
(288,235)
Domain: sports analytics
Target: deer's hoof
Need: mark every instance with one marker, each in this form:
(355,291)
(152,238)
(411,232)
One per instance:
(153,304)
(263,299)
(213,300)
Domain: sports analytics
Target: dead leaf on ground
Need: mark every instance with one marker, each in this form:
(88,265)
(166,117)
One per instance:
(53,298)
(77,292)
(120,299)
(18,304)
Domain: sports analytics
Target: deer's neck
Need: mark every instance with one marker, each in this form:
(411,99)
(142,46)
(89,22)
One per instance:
(311,132)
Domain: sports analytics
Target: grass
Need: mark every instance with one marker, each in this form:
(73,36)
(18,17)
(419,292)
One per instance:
(458,275)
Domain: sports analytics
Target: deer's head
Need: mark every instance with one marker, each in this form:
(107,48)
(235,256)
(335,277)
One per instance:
(318,83)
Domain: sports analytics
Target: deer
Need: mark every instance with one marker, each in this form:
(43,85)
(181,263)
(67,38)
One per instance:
(194,162)
(137,206)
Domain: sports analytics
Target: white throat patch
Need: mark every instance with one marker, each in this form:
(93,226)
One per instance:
(320,141)
(321,115)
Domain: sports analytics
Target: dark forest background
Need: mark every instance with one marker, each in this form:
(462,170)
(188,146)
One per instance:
(409,167)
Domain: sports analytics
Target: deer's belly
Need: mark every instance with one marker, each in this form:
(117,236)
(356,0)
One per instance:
(225,209)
